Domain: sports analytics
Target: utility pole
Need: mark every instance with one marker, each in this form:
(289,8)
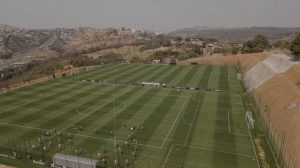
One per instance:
(153,29)
(115,134)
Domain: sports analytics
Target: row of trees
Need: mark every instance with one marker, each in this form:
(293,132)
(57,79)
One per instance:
(260,43)
(37,69)
(159,41)
(83,60)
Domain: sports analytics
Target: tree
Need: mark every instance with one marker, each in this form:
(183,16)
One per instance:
(295,47)
(282,44)
(235,50)
(178,38)
(136,60)
(188,39)
(173,61)
(5,55)
(258,44)
(198,50)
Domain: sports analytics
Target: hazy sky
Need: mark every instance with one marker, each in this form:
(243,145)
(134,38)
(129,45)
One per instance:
(167,15)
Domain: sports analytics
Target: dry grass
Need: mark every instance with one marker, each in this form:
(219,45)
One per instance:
(122,50)
(261,152)
(40,80)
(293,74)
(278,93)
(246,60)
(4,166)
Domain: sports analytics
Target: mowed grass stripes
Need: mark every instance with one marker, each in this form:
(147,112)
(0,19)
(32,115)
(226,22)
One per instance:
(165,127)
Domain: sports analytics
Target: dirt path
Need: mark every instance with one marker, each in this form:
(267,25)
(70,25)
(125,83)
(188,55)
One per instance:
(4,166)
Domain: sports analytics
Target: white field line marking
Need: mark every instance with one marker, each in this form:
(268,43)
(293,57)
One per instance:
(87,100)
(182,117)
(209,109)
(219,151)
(162,95)
(191,125)
(34,100)
(173,124)
(225,102)
(209,77)
(166,160)
(80,135)
(85,114)
(44,96)
(144,93)
(194,95)
(238,134)
(223,73)
(229,123)
(31,85)
(240,85)
(97,109)
(250,134)
(156,73)
(224,130)
(227,77)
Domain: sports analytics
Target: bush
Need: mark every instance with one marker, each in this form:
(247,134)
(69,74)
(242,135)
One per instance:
(154,43)
(258,44)
(6,55)
(295,47)
(136,60)
(109,58)
(282,44)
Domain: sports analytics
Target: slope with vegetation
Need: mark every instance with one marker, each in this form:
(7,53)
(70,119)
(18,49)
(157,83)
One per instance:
(237,34)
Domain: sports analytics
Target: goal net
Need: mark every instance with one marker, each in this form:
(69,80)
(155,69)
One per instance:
(249,120)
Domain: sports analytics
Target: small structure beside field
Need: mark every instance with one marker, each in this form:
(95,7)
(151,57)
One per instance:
(62,160)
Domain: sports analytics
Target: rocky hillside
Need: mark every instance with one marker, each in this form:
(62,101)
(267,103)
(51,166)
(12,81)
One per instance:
(14,39)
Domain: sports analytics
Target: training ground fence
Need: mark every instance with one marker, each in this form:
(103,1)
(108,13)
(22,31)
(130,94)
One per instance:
(276,138)
(145,84)
(42,153)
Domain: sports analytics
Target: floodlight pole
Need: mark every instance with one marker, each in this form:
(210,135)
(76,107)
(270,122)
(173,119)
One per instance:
(115,134)
(9,144)
(182,163)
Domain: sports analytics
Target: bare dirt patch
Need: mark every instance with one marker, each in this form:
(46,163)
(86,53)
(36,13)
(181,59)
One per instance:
(122,50)
(4,166)
(246,60)
(293,74)
(16,86)
(275,96)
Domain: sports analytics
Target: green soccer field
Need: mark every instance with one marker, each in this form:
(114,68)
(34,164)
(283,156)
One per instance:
(174,128)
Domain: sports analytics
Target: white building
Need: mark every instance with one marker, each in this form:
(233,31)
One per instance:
(157,61)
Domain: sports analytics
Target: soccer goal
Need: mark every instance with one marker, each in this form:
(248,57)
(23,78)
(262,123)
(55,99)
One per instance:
(249,120)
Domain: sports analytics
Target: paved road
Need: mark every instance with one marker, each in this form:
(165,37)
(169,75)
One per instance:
(24,57)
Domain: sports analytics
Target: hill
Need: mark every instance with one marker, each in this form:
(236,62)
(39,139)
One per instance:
(236,34)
